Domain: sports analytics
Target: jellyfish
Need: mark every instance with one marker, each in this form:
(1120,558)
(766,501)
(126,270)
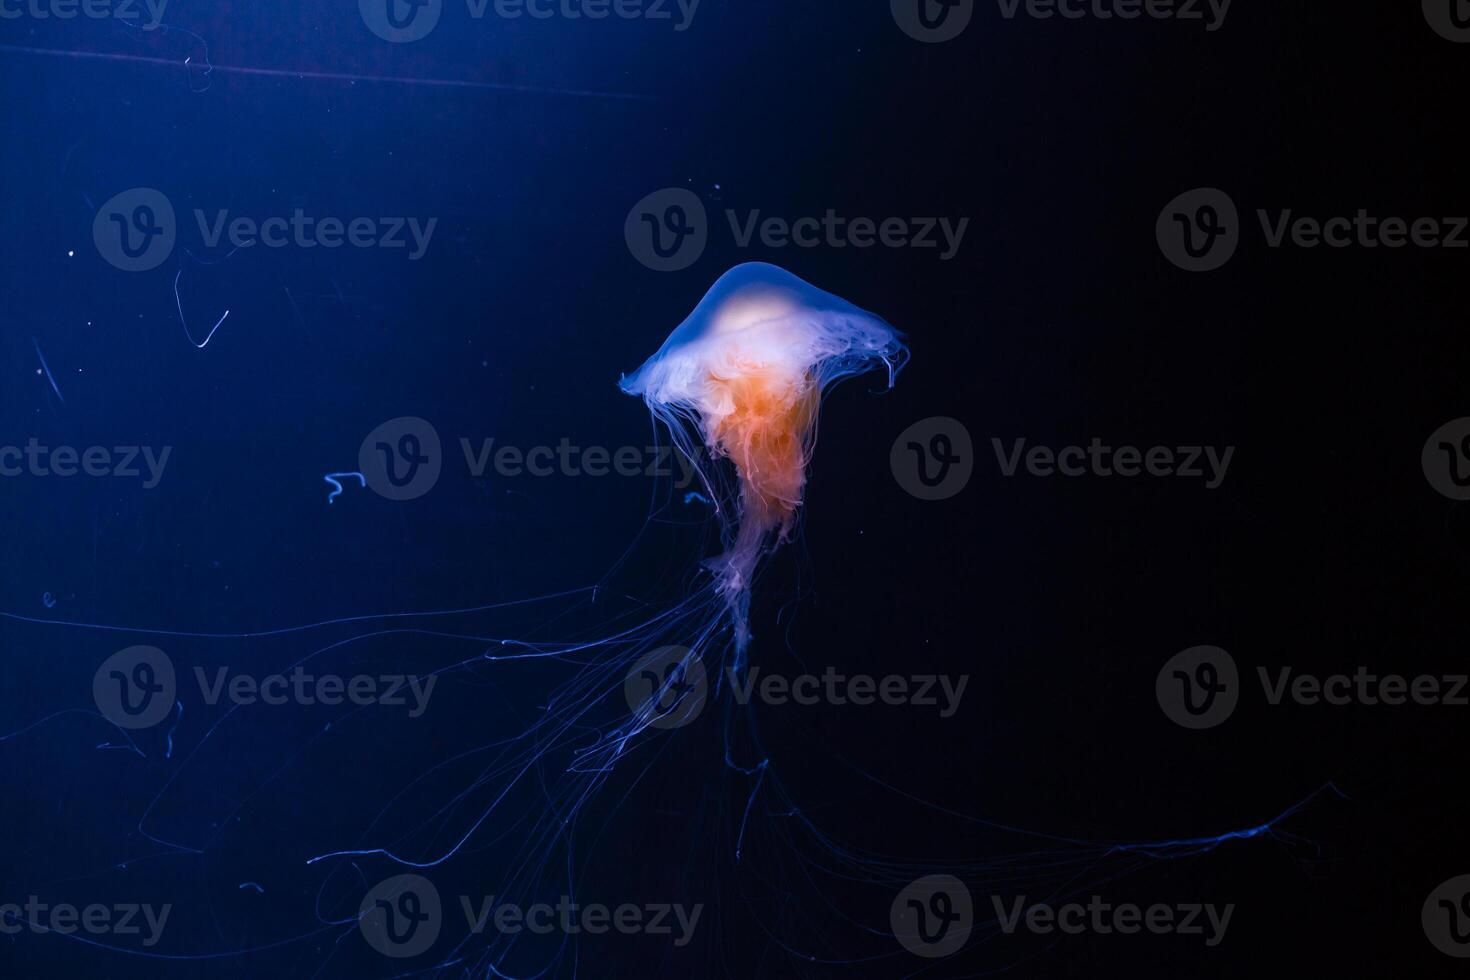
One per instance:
(743,377)
(496,807)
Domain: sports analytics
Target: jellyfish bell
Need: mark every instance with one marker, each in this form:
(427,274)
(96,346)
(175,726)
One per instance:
(744,375)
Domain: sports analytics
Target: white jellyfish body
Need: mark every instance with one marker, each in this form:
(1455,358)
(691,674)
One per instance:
(743,375)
